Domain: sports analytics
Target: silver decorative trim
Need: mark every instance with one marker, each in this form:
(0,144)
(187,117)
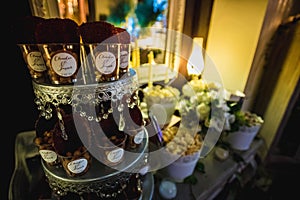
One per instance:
(84,95)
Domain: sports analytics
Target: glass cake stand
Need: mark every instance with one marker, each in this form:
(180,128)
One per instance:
(30,171)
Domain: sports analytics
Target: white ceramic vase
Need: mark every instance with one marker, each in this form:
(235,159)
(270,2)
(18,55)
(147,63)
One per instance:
(183,167)
(242,139)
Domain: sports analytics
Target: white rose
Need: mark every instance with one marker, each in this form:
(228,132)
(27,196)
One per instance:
(203,111)
(187,90)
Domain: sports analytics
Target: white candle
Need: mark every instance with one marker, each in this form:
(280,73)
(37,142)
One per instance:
(150,60)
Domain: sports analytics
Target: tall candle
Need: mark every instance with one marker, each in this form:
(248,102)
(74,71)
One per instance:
(133,59)
(150,60)
(137,57)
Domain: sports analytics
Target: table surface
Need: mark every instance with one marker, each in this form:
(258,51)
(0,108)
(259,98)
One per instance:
(213,179)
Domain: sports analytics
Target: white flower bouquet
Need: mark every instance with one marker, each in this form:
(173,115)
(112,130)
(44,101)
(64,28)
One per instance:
(205,102)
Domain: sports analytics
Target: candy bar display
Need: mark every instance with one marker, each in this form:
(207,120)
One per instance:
(90,133)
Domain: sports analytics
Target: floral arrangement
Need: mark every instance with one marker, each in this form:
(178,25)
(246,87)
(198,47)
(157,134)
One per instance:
(242,129)
(245,121)
(206,101)
(205,108)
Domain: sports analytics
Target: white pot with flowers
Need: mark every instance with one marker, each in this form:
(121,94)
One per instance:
(243,127)
(202,110)
(183,146)
(203,104)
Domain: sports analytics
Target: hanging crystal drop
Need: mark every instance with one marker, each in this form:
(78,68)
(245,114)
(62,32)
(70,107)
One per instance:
(121,122)
(38,102)
(90,118)
(61,125)
(98,119)
(49,109)
(48,112)
(64,101)
(82,114)
(105,116)
(120,107)
(48,117)
(63,131)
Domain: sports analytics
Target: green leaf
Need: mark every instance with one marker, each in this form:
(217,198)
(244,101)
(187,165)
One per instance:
(200,167)
(191,180)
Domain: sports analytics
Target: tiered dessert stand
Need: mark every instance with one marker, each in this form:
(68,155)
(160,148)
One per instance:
(100,180)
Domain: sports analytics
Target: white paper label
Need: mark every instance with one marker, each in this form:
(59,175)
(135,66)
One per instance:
(138,138)
(77,166)
(124,59)
(48,155)
(64,64)
(35,61)
(115,155)
(106,62)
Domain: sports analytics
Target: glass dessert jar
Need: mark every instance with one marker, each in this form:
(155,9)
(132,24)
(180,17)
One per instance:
(103,59)
(135,137)
(46,149)
(76,163)
(34,62)
(44,137)
(73,154)
(62,61)
(134,126)
(111,150)
(125,50)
